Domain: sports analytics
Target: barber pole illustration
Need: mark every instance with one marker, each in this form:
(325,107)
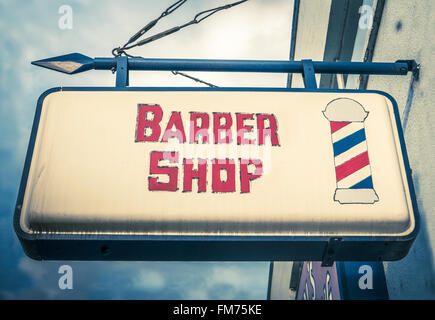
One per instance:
(351,157)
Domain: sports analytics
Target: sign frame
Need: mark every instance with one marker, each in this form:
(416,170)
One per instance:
(99,247)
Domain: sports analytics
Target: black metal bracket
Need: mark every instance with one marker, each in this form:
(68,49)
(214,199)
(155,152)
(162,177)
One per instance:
(330,251)
(122,79)
(413,66)
(309,75)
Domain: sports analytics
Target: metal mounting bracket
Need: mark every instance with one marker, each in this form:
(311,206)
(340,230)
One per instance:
(309,75)
(330,250)
(122,80)
(413,66)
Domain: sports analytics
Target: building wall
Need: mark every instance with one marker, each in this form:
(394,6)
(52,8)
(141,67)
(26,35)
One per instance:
(311,37)
(280,281)
(406,32)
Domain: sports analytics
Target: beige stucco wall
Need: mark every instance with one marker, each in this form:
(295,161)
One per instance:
(406,32)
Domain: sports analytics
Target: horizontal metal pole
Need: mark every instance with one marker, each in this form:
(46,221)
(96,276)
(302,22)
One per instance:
(380,68)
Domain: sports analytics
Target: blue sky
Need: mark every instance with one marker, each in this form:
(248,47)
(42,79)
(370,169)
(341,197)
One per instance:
(258,29)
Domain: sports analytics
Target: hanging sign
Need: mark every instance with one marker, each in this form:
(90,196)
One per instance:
(215,174)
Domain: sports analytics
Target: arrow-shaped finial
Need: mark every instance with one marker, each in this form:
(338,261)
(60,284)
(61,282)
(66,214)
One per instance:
(71,63)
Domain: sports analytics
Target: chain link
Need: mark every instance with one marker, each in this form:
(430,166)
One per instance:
(119,51)
(197,19)
(194,79)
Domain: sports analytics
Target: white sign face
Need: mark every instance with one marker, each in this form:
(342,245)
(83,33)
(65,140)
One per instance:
(217,163)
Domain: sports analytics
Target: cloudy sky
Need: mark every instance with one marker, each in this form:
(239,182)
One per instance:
(257,29)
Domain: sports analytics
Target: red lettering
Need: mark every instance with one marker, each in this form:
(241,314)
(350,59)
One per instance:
(246,177)
(271,131)
(190,174)
(229,185)
(242,128)
(172,172)
(218,128)
(179,128)
(143,123)
(202,130)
